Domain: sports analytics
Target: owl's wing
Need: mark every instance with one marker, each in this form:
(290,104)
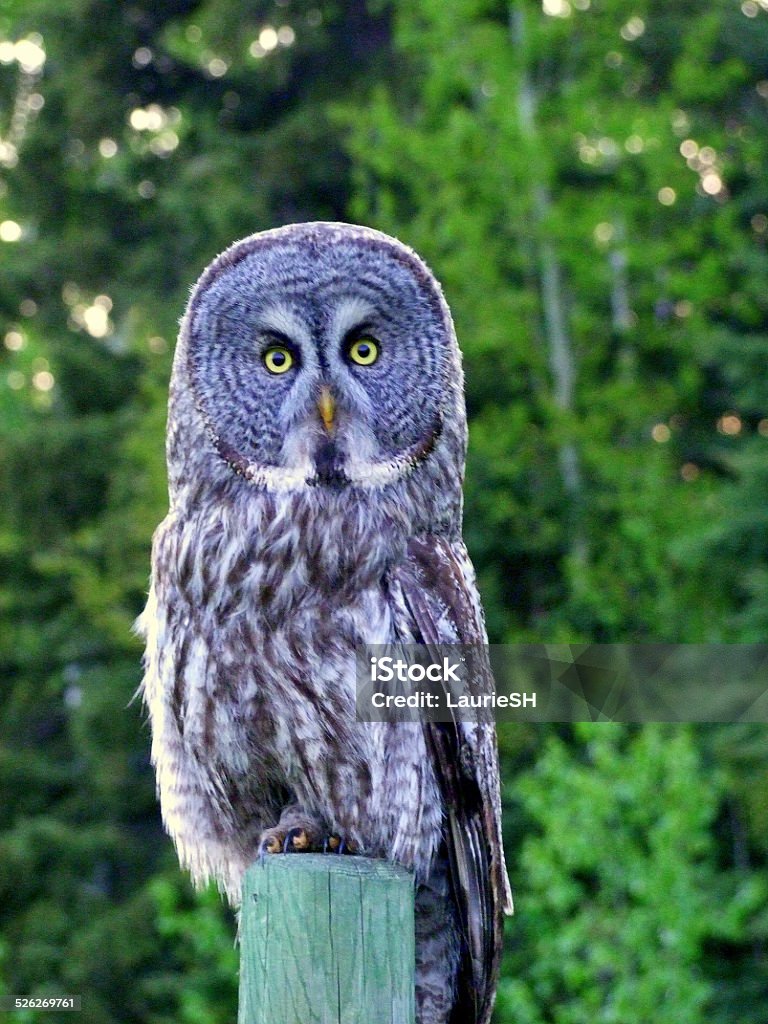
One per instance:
(439,601)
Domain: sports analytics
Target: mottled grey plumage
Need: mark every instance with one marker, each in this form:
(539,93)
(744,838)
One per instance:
(285,548)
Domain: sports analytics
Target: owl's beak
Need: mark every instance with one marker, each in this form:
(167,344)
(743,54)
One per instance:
(326,407)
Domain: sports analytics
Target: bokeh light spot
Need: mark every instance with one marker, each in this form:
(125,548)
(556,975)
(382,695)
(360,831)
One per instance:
(10,231)
(729,424)
(661,433)
(633,29)
(556,8)
(29,54)
(43,380)
(603,232)
(142,57)
(268,38)
(14,341)
(217,67)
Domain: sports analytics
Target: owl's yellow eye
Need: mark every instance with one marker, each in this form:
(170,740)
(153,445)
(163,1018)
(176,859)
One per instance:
(278,359)
(364,351)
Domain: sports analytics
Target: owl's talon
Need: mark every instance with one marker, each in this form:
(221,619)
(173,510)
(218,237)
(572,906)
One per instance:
(298,840)
(271,843)
(299,832)
(339,845)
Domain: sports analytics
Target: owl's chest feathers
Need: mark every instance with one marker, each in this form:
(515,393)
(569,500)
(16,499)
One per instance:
(288,568)
(287,589)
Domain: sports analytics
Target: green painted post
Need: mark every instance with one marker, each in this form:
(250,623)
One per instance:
(326,940)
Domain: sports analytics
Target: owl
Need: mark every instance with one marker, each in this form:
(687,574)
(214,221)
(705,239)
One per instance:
(316,443)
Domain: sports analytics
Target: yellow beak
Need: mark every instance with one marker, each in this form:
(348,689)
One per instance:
(327,408)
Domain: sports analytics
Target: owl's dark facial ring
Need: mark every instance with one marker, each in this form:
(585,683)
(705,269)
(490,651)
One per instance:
(322,365)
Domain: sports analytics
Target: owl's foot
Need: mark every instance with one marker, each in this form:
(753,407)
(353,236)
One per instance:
(300,833)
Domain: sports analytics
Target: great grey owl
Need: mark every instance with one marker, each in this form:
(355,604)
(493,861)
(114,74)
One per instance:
(316,443)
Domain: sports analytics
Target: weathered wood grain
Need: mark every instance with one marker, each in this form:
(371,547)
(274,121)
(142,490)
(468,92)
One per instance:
(326,940)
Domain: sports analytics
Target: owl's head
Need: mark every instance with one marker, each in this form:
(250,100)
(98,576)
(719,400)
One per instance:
(322,356)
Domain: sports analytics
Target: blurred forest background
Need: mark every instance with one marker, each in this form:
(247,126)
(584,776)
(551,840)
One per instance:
(588,178)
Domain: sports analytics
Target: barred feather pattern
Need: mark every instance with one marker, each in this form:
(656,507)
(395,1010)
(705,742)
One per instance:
(265,579)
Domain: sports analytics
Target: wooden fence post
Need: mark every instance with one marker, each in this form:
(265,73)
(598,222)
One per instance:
(326,939)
